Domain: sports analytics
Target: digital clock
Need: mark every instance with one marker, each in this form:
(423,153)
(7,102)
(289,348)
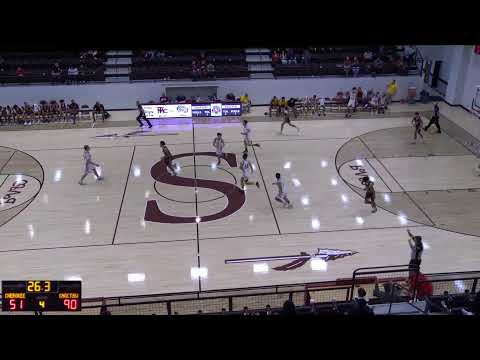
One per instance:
(41,295)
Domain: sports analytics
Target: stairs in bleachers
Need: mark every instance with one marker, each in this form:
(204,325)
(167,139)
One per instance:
(259,63)
(118,66)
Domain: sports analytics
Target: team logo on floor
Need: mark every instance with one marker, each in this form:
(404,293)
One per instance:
(21,179)
(235,196)
(319,259)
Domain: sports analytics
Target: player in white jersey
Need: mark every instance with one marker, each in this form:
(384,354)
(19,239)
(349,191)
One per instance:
(282,193)
(219,144)
(352,103)
(247,168)
(90,166)
(247,141)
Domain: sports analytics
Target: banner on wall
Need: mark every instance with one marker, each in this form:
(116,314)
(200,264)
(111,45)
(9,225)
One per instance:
(165,111)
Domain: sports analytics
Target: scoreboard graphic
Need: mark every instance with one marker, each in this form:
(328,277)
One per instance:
(41,295)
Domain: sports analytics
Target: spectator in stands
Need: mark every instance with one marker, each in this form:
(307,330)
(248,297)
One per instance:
(377,66)
(195,70)
(307,57)
(391,293)
(246,103)
(98,109)
(360,304)
(164,99)
(391,91)
(203,68)
(73,110)
(275,58)
(268,310)
(289,308)
(230,97)
(20,72)
(273,106)
(56,71)
(282,104)
(401,66)
(347,65)
(103,309)
(72,73)
(283,58)
(245,311)
(367,56)
(409,52)
(355,67)
(360,97)
(210,70)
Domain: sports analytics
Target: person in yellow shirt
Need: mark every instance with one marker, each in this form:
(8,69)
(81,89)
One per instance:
(282,104)
(273,105)
(391,91)
(246,103)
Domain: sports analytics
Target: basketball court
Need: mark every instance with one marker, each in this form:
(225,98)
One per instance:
(115,237)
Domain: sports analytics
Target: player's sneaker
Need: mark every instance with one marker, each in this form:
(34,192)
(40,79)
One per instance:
(81,183)
(374,210)
(100,178)
(257,184)
(290,206)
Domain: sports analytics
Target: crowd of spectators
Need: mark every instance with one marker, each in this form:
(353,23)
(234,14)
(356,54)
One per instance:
(52,67)
(49,111)
(203,69)
(370,60)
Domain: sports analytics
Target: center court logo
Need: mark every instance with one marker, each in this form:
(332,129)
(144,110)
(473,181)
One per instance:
(235,196)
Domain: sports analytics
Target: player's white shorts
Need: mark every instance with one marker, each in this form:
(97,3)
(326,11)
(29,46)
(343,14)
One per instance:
(351,103)
(89,168)
(219,152)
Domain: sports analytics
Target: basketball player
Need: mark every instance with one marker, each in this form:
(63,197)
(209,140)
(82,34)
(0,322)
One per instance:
(247,168)
(417,122)
(282,194)
(434,119)
(352,102)
(370,193)
(219,144)
(167,156)
(141,116)
(90,166)
(247,141)
(286,120)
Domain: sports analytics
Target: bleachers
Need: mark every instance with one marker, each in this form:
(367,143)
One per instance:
(177,64)
(37,67)
(329,61)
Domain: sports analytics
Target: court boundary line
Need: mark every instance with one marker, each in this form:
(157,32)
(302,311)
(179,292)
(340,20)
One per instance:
(401,187)
(220,237)
(123,196)
(196,204)
(186,143)
(266,191)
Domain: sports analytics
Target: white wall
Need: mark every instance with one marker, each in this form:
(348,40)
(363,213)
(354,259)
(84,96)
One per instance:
(472,78)
(124,95)
(460,67)
(438,52)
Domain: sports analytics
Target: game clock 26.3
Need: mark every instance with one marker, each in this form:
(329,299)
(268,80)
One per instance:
(34,286)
